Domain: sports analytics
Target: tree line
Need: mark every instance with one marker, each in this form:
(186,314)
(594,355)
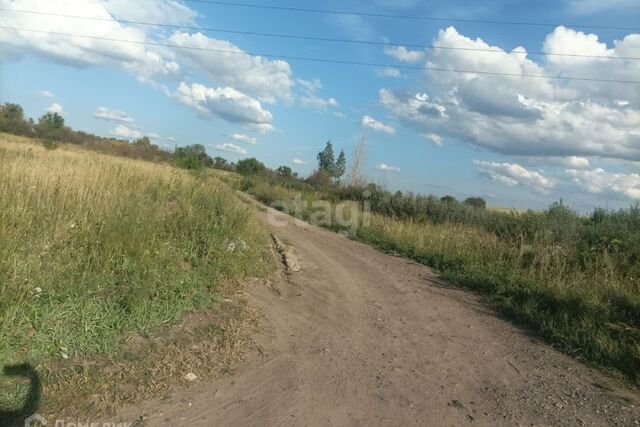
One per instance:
(51,129)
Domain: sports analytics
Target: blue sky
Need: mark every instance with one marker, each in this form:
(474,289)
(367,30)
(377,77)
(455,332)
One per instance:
(519,142)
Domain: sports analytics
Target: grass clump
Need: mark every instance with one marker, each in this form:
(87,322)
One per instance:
(96,249)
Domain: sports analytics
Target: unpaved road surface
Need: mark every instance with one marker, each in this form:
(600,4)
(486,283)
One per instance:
(359,338)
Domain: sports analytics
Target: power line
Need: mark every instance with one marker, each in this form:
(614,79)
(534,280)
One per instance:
(409,17)
(315,38)
(325,60)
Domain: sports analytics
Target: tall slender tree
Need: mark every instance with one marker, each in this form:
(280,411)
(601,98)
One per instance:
(340,166)
(326,160)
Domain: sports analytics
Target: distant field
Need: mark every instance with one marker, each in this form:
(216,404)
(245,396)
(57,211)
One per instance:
(97,250)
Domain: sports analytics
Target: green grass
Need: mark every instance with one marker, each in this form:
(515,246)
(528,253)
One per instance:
(96,249)
(587,307)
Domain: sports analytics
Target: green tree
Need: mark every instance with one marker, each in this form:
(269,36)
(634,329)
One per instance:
(328,164)
(476,202)
(285,171)
(562,221)
(340,166)
(220,163)
(143,142)
(192,157)
(250,166)
(12,112)
(12,120)
(448,199)
(50,126)
(326,160)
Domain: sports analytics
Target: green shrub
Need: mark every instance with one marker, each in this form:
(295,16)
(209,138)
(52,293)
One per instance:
(12,120)
(285,171)
(50,126)
(476,202)
(192,157)
(250,166)
(49,144)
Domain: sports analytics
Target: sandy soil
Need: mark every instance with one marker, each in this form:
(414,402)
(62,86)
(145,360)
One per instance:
(357,337)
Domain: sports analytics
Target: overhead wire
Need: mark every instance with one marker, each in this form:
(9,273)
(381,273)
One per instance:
(324,60)
(405,17)
(317,38)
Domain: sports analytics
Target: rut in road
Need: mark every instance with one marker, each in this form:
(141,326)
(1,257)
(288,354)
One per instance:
(357,337)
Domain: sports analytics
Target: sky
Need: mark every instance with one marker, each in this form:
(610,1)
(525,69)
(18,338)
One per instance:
(521,142)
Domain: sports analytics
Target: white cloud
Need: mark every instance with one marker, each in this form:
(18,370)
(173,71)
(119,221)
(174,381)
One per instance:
(299,162)
(512,174)
(241,137)
(112,115)
(310,85)
(125,132)
(528,116)
(386,168)
(599,181)
(564,39)
(571,162)
(262,128)
(401,53)
(226,103)
(503,179)
(313,101)
(389,72)
(415,109)
(371,123)
(46,94)
(576,162)
(171,139)
(55,108)
(144,61)
(231,148)
(433,138)
(309,98)
(256,76)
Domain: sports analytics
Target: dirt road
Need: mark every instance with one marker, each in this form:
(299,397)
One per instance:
(359,338)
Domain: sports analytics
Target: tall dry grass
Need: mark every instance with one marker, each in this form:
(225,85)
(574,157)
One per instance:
(95,249)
